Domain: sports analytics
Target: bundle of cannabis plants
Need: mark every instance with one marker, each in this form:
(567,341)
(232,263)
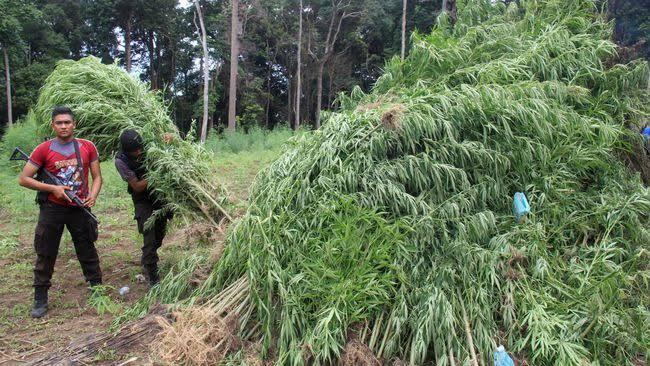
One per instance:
(106,101)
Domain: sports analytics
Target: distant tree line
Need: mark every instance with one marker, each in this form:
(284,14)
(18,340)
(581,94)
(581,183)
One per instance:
(292,57)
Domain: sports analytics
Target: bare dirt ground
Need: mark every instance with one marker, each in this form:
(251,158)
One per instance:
(69,317)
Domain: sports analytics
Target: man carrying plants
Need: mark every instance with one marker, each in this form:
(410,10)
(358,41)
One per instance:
(129,163)
(68,159)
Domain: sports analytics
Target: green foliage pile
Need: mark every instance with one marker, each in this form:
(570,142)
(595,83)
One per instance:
(106,101)
(393,224)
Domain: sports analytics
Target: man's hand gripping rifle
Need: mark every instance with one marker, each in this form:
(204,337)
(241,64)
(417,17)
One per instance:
(18,154)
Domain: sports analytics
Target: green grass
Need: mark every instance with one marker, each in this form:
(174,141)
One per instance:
(255,140)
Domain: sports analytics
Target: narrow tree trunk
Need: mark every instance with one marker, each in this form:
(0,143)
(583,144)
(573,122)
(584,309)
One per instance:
(404,2)
(290,100)
(453,16)
(152,66)
(449,6)
(234,60)
(206,75)
(158,46)
(319,94)
(8,85)
(296,124)
(330,87)
(127,43)
(268,96)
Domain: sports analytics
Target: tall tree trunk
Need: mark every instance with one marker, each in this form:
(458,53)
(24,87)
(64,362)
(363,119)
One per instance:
(8,85)
(290,101)
(330,80)
(450,7)
(319,94)
(127,43)
(404,2)
(160,83)
(234,60)
(268,97)
(453,15)
(152,63)
(296,124)
(206,75)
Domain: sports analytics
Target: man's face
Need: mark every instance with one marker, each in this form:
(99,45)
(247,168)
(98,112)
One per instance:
(136,154)
(63,126)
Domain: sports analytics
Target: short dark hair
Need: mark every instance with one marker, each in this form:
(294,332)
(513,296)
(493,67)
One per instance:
(61,109)
(130,140)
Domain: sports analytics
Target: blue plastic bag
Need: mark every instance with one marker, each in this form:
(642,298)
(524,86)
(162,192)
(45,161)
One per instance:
(502,358)
(520,207)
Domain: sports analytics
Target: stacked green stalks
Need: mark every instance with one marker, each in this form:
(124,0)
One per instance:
(393,223)
(107,101)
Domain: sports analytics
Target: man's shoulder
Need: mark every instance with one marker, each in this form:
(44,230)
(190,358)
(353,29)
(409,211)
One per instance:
(121,158)
(121,163)
(44,146)
(86,142)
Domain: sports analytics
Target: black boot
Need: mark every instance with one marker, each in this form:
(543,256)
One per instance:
(154,278)
(40,302)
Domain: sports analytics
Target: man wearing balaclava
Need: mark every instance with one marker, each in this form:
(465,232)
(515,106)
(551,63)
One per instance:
(129,164)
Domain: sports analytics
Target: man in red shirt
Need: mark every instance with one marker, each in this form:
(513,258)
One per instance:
(61,157)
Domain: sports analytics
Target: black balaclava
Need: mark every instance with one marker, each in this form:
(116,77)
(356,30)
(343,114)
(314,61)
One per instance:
(130,140)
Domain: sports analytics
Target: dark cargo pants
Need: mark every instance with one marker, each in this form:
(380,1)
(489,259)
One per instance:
(153,237)
(51,220)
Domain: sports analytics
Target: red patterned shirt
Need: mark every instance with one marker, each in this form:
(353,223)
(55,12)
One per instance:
(60,159)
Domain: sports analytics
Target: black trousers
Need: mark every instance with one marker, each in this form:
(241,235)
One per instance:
(153,236)
(51,220)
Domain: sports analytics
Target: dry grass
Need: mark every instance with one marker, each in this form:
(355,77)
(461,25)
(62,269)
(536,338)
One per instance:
(197,336)
(356,353)
(391,119)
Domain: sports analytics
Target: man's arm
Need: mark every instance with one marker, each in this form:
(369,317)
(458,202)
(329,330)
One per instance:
(129,176)
(138,185)
(26,179)
(96,173)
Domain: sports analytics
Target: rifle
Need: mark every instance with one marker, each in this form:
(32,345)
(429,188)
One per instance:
(19,155)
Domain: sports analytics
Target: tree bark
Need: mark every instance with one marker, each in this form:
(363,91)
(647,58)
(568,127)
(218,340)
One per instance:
(152,66)
(319,94)
(450,7)
(453,16)
(234,60)
(404,2)
(268,97)
(206,76)
(8,85)
(330,87)
(296,124)
(290,101)
(127,43)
